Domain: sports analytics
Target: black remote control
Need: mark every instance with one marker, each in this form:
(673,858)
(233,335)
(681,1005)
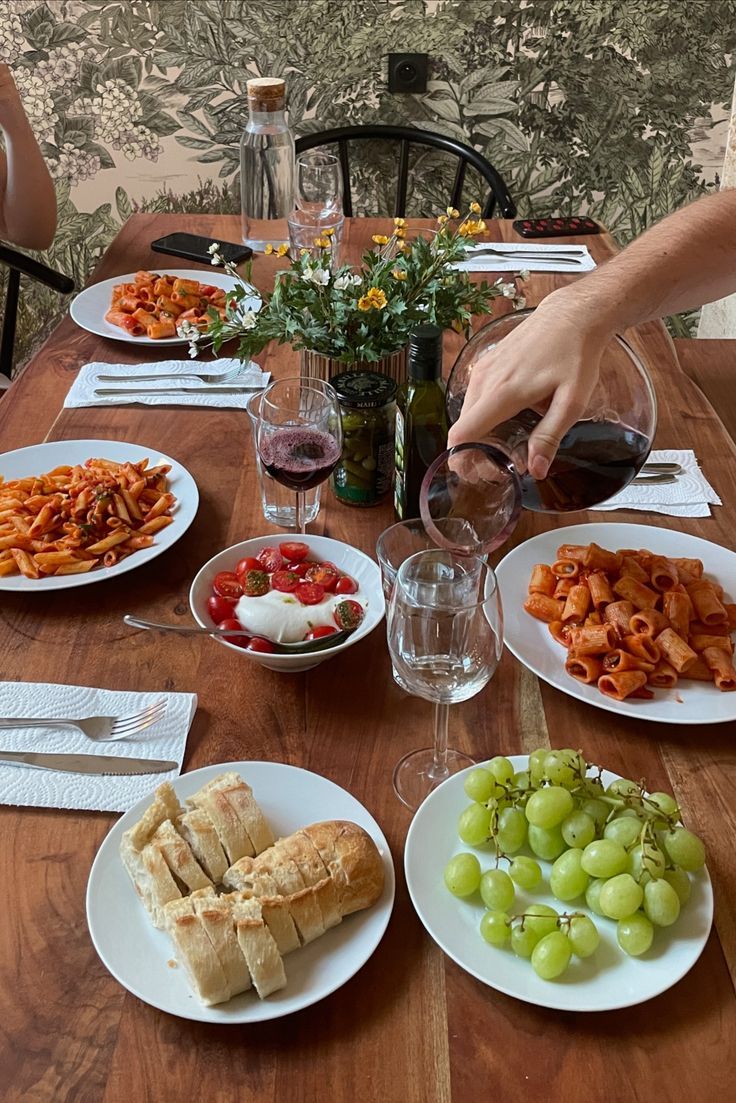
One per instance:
(555,227)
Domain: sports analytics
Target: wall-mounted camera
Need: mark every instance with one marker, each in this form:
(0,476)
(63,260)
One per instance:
(407,72)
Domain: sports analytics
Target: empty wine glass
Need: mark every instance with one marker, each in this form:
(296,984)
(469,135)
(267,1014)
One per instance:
(318,188)
(445,636)
(299,436)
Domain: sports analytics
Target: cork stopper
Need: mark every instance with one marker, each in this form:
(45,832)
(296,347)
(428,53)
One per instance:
(266,94)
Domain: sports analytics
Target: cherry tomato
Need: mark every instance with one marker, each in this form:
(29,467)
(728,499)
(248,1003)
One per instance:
(270,559)
(231,624)
(310,593)
(255,583)
(258,643)
(348,615)
(299,569)
(227,584)
(325,574)
(319,632)
(219,607)
(285,581)
(294,551)
(247,564)
(346,585)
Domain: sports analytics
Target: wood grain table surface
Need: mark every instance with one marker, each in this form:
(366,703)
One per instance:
(411,1025)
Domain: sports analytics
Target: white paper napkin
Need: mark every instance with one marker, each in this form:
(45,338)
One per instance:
(82,390)
(166,739)
(691,495)
(518,258)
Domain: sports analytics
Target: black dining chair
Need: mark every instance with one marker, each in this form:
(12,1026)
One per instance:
(18,264)
(406,136)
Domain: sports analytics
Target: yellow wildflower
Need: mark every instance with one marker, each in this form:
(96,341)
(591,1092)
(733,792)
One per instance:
(398,273)
(268,250)
(453,212)
(374,299)
(400,222)
(322,242)
(442,219)
(457,325)
(380,239)
(471,227)
(282,250)
(331,229)
(475,208)
(304,252)
(402,246)
(399,233)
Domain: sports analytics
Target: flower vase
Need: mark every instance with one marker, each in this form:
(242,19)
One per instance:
(316,366)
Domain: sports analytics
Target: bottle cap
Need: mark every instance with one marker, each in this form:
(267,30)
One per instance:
(266,94)
(425,352)
(363,390)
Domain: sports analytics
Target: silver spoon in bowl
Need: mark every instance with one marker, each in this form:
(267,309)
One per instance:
(300,648)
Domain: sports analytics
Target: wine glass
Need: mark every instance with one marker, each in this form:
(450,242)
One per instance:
(445,636)
(318,188)
(299,436)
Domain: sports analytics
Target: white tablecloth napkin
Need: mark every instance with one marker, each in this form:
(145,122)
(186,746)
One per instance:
(82,390)
(518,259)
(691,495)
(166,739)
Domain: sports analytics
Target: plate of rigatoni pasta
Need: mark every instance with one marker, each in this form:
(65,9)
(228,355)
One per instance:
(631,618)
(74,512)
(147,308)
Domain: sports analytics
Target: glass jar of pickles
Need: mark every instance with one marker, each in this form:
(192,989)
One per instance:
(364,473)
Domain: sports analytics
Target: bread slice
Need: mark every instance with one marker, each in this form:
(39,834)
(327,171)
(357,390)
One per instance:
(300,848)
(147,869)
(216,916)
(325,894)
(178,856)
(197,828)
(306,913)
(165,806)
(240,796)
(233,836)
(196,952)
(259,947)
(353,861)
(283,870)
(275,912)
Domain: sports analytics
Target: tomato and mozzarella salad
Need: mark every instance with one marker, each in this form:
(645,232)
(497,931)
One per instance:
(282,596)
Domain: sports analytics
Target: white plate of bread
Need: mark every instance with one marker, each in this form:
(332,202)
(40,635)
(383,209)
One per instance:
(240,892)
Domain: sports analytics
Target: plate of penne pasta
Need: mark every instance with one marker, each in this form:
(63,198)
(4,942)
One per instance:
(74,512)
(634,619)
(146,308)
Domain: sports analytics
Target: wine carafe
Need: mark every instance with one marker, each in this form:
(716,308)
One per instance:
(482,485)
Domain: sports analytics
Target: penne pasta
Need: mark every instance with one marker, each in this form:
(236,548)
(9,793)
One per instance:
(594,639)
(601,593)
(543,607)
(621,686)
(576,604)
(152,303)
(648,622)
(675,650)
(707,604)
(664,676)
(584,668)
(720,664)
(624,660)
(643,597)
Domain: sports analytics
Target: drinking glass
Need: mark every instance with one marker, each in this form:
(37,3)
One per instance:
(445,636)
(318,185)
(299,436)
(307,228)
(277,502)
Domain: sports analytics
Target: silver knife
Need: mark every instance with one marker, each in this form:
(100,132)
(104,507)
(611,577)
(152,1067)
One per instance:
(86,763)
(231,388)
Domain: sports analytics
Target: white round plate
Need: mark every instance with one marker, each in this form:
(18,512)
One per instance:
(37,459)
(608,980)
(530,641)
(90,306)
(137,954)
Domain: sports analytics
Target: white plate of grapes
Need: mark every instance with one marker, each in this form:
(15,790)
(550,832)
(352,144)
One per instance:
(559,883)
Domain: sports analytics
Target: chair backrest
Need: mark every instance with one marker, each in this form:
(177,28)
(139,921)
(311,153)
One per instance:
(19,264)
(406,136)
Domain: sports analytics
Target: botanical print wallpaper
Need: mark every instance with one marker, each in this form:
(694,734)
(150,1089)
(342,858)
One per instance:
(616,107)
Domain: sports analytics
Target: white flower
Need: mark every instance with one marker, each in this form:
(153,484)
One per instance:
(343,282)
(248,319)
(213,248)
(508,290)
(520,303)
(319,276)
(524,274)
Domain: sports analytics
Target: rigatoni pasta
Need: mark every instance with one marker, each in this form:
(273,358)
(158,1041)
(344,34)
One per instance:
(630,620)
(154,305)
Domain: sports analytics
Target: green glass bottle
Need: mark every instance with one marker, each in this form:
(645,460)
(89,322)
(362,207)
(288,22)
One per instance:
(421,419)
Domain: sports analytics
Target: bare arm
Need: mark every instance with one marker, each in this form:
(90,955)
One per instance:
(27,196)
(687,259)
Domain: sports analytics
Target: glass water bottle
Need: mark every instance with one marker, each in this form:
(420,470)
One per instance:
(266,163)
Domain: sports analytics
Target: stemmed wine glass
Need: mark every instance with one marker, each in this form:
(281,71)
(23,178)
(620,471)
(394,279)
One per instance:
(318,189)
(299,436)
(445,636)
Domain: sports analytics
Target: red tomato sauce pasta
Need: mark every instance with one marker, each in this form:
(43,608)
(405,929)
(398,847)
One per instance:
(154,305)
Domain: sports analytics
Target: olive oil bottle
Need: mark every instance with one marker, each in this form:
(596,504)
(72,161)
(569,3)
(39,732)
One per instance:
(421,419)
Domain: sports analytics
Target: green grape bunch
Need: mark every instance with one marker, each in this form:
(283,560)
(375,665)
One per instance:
(619,850)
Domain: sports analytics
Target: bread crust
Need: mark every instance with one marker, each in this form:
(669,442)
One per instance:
(216,916)
(259,947)
(196,952)
(199,831)
(178,856)
(353,861)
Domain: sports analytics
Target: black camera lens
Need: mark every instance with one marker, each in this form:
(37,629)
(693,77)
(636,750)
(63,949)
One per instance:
(407,71)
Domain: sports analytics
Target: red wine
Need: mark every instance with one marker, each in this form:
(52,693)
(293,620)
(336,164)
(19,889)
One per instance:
(299,457)
(595,460)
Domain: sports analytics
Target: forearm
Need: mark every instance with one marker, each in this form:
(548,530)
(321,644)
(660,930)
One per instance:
(28,201)
(684,261)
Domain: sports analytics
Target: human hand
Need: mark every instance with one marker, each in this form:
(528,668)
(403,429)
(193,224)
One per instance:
(550,362)
(9,98)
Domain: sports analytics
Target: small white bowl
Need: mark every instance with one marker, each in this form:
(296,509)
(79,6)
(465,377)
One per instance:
(349,560)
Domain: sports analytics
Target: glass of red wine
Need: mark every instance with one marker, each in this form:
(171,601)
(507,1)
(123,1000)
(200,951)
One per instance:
(299,436)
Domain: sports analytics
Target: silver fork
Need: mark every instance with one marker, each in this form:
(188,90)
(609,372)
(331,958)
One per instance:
(101,729)
(201,377)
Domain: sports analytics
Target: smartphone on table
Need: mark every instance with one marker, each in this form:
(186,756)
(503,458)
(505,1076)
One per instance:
(195,247)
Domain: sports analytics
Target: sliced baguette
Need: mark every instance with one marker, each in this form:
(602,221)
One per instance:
(197,828)
(152,879)
(353,861)
(233,837)
(196,952)
(165,806)
(216,917)
(259,947)
(275,911)
(178,856)
(240,797)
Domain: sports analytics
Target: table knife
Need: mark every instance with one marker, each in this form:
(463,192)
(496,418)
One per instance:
(86,763)
(230,388)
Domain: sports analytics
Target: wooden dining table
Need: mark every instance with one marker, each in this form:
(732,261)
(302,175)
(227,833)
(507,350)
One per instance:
(411,1025)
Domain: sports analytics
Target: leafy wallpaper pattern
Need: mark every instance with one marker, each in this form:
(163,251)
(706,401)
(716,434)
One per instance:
(602,106)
